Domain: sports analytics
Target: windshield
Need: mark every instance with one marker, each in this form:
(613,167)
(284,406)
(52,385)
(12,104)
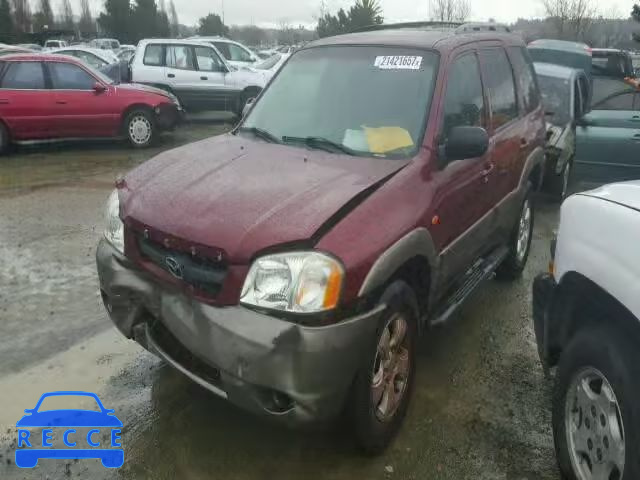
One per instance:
(371,100)
(269,63)
(556,97)
(610,64)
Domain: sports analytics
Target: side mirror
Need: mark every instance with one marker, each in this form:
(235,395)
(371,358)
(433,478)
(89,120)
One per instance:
(247,106)
(99,88)
(466,142)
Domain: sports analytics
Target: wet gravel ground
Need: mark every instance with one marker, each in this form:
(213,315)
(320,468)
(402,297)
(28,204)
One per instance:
(480,409)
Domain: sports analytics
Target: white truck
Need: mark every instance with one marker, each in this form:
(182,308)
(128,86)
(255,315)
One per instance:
(587,321)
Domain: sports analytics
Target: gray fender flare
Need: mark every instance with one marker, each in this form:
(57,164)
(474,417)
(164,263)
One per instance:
(417,243)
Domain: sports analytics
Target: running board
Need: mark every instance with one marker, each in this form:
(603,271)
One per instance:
(475,276)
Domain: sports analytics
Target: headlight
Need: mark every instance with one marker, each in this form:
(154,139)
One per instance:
(303,282)
(114,229)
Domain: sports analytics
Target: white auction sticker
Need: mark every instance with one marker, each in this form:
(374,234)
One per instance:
(398,62)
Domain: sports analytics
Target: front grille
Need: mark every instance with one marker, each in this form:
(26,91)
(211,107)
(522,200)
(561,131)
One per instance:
(202,273)
(181,355)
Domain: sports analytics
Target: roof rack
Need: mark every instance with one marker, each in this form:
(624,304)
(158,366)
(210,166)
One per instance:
(483,27)
(409,25)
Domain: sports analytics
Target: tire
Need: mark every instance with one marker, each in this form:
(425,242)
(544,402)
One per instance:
(374,428)
(519,243)
(597,353)
(4,139)
(140,128)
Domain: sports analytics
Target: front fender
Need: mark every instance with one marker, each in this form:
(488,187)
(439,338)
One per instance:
(417,243)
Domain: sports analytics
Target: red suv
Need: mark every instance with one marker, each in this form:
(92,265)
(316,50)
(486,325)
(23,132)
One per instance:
(290,266)
(54,97)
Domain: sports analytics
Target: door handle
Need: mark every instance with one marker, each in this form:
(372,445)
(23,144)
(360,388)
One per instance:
(4,102)
(171,75)
(204,78)
(61,102)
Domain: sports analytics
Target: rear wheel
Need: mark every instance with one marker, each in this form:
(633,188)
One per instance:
(384,383)
(520,242)
(140,128)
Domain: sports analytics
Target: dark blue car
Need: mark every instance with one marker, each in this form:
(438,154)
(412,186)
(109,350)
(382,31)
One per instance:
(60,419)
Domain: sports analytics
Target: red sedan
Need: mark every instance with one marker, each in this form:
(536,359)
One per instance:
(54,97)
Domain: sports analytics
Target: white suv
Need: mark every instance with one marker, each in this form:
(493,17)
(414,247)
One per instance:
(587,322)
(196,73)
(234,53)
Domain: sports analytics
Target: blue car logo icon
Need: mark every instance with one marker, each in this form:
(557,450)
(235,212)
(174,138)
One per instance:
(66,422)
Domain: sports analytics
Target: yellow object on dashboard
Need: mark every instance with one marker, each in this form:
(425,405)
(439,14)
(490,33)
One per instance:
(387,139)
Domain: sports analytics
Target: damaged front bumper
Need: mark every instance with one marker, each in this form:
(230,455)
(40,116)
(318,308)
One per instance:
(264,364)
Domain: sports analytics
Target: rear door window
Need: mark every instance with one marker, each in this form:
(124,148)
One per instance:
(501,86)
(24,76)
(525,75)
(180,57)
(464,101)
(153,55)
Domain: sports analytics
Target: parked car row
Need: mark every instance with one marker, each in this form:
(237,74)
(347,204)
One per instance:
(48,97)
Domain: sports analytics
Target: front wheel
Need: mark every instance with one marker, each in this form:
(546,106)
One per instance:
(140,128)
(596,414)
(384,383)
(520,242)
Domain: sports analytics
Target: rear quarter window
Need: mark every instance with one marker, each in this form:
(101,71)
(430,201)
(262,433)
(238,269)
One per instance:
(153,55)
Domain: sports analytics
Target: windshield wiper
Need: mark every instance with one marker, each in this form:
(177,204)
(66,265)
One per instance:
(322,143)
(262,133)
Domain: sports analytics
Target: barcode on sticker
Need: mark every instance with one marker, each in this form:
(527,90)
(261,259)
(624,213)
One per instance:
(398,62)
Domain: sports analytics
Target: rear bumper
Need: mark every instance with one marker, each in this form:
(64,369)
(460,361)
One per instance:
(544,287)
(266,365)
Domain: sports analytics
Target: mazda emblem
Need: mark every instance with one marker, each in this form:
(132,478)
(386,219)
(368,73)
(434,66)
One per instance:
(174,267)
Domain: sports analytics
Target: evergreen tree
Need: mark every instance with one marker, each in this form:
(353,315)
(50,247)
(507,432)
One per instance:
(6,22)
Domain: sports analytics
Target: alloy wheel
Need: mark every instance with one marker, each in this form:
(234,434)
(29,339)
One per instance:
(594,427)
(391,368)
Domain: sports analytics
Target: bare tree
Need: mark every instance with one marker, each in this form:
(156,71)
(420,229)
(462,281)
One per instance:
(173,20)
(66,15)
(449,10)
(22,15)
(571,18)
(86,25)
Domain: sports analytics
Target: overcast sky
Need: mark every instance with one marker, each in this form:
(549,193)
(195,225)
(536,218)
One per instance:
(271,12)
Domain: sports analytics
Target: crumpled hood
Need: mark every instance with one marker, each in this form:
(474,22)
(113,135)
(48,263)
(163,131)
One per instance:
(242,195)
(144,88)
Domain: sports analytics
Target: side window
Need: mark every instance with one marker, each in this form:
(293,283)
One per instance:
(500,83)
(208,60)
(153,56)
(66,76)
(622,101)
(181,57)
(223,48)
(24,76)
(239,54)
(464,102)
(525,75)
